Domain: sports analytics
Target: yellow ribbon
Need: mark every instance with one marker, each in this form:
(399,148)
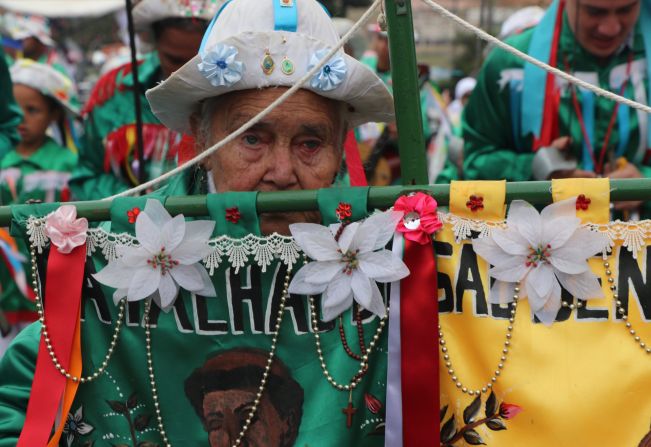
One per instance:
(596,190)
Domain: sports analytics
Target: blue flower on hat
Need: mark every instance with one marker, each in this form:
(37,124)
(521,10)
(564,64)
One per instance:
(220,67)
(331,74)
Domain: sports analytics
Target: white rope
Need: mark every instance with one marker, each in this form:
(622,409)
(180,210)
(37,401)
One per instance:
(555,71)
(256,119)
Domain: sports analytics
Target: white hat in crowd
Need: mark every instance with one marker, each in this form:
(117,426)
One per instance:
(46,80)
(21,26)
(147,12)
(464,86)
(521,20)
(255,44)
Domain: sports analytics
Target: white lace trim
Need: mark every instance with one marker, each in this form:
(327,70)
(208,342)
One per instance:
(632,235)
(463,227)
(263,249)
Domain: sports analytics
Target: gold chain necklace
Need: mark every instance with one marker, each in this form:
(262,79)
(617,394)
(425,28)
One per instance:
(621,310)
(349,410)
(500,365)
(263,383)
(46,336)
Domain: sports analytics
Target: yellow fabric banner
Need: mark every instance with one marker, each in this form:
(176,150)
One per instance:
(580,382)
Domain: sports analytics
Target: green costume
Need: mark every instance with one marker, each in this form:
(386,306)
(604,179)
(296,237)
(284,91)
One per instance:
(10,114)
(188,343)
(371,62)
(43,176)
(496,147)
(108,156)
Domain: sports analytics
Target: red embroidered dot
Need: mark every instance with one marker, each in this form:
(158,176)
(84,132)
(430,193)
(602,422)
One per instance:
(344,211)
(132,214)
(233,215)
(475,203)
(582,203)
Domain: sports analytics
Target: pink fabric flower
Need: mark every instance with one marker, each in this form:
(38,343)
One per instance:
(64,229)
(420,220)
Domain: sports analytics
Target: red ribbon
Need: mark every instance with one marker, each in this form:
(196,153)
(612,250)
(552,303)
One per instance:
(550,129)
(64,280)
(419,363)
(354,161)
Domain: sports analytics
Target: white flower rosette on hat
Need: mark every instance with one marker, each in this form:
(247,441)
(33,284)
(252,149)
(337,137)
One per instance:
(245,31)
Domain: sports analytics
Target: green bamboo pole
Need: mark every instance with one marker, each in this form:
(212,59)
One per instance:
(379,197)
(406,94)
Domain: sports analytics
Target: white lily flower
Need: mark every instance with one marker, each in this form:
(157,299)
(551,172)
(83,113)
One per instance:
(542,251)
(349,268)
(167,258)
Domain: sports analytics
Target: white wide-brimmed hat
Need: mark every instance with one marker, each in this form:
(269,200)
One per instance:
(21,26)
(521,20)
(254,44)
(148,12)
(48,81)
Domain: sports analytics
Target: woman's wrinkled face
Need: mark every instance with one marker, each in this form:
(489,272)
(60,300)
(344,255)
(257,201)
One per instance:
(297,146)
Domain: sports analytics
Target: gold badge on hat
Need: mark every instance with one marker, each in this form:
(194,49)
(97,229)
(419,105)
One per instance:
(268,63)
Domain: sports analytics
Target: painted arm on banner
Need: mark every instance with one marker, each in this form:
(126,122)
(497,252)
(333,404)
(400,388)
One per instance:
(490,149)
(17,368)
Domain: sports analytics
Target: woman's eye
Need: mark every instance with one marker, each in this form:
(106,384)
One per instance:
(251,140)
(312,145)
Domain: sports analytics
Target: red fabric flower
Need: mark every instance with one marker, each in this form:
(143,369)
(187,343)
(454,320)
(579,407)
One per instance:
(420,220)
(233,215)
(372,403)
(344,211)
(132,214)
(582,203)
(475,203)
(509,411)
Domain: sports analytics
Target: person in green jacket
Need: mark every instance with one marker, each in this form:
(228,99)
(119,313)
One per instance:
(521,124)
(10,114)
(210,352)
(37,169)
(108,153)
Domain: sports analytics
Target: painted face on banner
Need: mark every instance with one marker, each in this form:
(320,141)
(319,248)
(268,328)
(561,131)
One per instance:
(226,411)
(223,392)
(602,26)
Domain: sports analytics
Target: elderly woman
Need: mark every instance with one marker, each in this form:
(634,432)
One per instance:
(247,60)
(212,372)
